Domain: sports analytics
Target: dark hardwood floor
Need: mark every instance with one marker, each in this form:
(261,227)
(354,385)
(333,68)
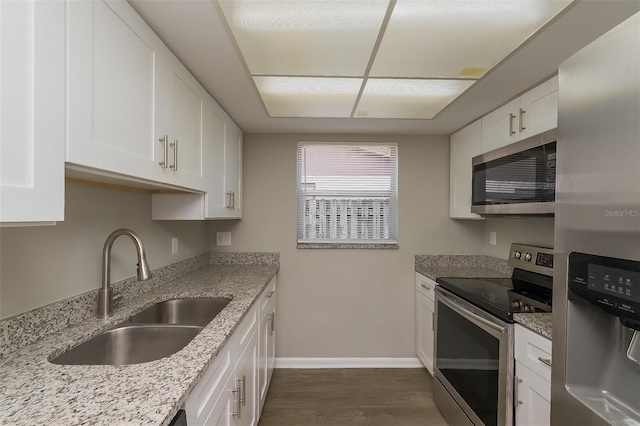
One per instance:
(334,397)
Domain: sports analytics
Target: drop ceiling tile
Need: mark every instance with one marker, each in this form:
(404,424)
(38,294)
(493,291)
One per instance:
(305,38)
(308,96)
(453,38)
(406,98)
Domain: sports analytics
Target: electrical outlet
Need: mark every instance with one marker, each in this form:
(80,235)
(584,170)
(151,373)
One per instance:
(492,238)
(174,245)
(223,238)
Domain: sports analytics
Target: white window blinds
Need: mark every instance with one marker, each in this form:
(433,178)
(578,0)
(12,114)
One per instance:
(347,193)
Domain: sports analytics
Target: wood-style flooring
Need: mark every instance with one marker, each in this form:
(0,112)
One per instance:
(335,397)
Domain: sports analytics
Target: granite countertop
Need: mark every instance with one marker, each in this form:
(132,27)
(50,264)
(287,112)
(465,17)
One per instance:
(461,266)
(539,322)
(34,391)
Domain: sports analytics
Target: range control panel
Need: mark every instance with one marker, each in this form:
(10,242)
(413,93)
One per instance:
(612,284)
(532,258)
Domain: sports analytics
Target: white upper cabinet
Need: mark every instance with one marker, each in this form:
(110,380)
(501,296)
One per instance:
(465,144)
(534,112)
(539,109)
(500,127)
(115,90)
(184,116)
(32,120)
(126,93)
(222,156)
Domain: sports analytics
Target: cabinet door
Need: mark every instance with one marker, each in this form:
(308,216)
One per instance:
(32,120)
(115,90)
(500,128)
(539,109)
(233,168)
(266,351)
(247,376)
(533,398)
(424,330)
(217,201)
(465,144)
(185,110)
(224,408)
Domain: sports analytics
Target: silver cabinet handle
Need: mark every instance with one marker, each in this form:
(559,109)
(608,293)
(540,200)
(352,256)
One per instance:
(238,413)
(228,200)
(269,294)
(522,112)
(243,387)
(545,361)
(174,145)
(511,131)
(165,142)
(233,201)
(423,285)
(516,384)
(272,327)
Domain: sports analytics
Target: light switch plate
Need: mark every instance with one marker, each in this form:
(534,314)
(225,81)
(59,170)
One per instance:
(174,245)
(492,238)
(223,238)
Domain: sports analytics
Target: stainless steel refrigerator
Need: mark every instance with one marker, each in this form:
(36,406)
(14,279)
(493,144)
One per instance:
(596,300)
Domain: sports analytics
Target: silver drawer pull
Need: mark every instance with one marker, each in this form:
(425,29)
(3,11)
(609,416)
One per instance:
(545,361)
(511,131)
(423,285)
(174,145)
(269,294)
(165,144)
(517,380)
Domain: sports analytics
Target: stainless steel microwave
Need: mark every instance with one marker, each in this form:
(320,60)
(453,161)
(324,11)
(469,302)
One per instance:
(517,179)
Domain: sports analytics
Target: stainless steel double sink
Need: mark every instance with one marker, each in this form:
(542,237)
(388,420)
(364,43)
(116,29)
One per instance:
(156,332)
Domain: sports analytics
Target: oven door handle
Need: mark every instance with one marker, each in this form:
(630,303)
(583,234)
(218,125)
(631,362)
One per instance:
(471,316)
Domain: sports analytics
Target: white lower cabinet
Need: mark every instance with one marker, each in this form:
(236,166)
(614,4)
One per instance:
(425,306)
(266,350)
(232,390)
(532,387)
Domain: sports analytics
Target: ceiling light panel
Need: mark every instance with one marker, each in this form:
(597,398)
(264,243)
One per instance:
(305,38)
(457,38)
(398,98)
(308,97)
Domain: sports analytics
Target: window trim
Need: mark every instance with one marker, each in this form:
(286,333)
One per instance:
(384,243)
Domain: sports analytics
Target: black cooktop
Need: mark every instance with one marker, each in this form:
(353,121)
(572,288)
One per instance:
(501,297)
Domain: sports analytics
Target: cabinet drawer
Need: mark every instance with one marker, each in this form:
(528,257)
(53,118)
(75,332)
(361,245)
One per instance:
(268,294)
(426,286)
(530,349)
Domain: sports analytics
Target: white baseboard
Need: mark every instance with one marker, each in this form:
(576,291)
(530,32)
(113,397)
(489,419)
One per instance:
(348,363)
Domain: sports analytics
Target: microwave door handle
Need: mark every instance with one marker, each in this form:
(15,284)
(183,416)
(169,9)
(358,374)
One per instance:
(473,317)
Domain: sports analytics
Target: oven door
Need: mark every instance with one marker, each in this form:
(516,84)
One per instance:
(473,363)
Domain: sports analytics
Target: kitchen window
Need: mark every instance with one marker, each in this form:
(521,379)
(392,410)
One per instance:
(347,195)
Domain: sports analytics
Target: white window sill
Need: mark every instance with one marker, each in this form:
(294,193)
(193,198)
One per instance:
(382,246)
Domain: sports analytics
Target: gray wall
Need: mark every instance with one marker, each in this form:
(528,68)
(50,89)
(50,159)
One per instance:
(347,303)
(532,230)
(40,265)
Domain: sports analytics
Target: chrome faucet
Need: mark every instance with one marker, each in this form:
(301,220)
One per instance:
(105,294)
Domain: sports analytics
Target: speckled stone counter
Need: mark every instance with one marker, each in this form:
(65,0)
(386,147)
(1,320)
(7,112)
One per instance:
(540,323)
(462,266)
(36,392)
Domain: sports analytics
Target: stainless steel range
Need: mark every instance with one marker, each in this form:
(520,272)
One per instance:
(473,366)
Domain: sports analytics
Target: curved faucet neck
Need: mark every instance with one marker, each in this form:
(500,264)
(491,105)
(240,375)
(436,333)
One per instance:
(105,294)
